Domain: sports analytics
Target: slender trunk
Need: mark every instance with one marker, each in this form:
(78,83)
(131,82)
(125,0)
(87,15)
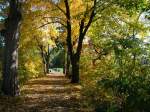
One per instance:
(45,63)
(43,56)
(75,69)
(64,65)
(47,67)
(10,84)
(67,71)
(44,68)
(47,59)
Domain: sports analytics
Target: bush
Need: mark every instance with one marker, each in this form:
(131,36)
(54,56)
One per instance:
(125,92)
(30,64)
(119,81)
(132,91)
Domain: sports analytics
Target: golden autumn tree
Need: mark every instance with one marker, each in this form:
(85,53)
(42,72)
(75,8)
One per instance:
(36,31)
(76,17)
(16,11)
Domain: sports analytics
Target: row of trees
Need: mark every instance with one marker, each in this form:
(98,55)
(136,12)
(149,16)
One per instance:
(62,19)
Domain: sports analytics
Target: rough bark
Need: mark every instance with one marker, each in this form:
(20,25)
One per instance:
(10,84)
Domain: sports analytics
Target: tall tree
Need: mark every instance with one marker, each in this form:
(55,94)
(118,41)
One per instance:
(11,33)
(76,20)
(36,30)
(83,28)
(90,12)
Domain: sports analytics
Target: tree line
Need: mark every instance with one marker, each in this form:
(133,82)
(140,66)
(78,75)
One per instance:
(73,21)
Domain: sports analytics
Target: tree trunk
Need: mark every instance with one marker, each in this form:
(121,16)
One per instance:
(47,67)
(64,67)
(75,70)
(47,59)
(75,55)
(67,68)
(44,62)
(10,84)
(44,68)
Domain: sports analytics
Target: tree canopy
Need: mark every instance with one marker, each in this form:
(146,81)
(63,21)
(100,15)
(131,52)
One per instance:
(103,45)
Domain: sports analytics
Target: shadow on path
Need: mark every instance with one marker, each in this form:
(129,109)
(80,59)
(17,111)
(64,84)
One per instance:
(52,93)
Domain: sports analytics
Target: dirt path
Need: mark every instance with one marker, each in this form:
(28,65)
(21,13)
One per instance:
(52,93)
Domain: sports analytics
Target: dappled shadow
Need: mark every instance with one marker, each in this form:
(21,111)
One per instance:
(52,93)
(51,103)
(48,82)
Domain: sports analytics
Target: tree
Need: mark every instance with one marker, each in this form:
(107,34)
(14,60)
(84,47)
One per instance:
(45,53)
(119,55)
(75,23)
(36,30)
(11,33)
(83,28)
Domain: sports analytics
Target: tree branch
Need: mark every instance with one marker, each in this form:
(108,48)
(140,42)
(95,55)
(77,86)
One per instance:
(83,29)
